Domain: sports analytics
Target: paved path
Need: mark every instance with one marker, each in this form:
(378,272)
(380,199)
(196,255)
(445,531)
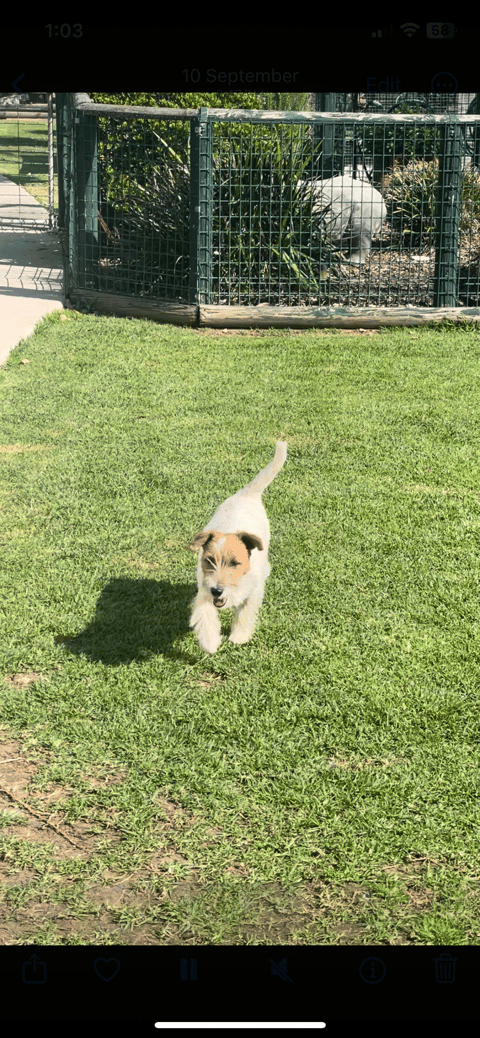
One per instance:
(31,269)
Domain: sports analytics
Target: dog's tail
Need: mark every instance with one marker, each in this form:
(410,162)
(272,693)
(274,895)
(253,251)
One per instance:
(257,485)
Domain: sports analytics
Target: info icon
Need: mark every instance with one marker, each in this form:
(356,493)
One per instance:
(372,970)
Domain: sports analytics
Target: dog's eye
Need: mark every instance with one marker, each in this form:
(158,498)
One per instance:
(233,562)
(210,562)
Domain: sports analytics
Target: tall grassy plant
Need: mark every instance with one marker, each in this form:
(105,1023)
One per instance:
(145,201)
(266,247)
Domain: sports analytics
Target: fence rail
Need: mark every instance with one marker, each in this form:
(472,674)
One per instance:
(231,217)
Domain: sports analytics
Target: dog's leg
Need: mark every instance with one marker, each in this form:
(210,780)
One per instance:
(245,617)
(205,620)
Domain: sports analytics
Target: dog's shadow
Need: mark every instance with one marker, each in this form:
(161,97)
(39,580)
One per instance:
(134,620)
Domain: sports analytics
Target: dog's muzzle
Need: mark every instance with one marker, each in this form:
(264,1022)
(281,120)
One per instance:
(218,601)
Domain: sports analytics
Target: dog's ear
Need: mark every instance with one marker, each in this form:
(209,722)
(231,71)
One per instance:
(200,539)
(251,541)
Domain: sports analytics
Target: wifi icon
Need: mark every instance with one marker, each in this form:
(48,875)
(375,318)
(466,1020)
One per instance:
(409,28)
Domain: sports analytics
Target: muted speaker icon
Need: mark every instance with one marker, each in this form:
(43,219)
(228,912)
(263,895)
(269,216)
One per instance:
(279,969)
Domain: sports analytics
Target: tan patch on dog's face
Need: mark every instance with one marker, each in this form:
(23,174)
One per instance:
(225,558)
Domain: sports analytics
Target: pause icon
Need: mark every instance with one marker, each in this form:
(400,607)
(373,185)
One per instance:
(188,969)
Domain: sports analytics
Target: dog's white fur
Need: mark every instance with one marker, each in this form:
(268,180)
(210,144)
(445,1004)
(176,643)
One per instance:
(233,561)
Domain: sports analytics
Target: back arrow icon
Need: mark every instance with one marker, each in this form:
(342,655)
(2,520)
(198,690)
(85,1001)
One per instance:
(14,85)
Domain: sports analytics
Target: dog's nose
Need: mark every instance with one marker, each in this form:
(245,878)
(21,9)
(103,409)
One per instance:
(217,591)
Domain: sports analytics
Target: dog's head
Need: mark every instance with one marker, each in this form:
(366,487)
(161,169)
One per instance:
(225,560)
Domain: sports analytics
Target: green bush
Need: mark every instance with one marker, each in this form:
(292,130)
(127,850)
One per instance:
(405,143)
(470,203)
(410,194)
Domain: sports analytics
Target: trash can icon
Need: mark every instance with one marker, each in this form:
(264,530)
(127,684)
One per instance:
(445,969)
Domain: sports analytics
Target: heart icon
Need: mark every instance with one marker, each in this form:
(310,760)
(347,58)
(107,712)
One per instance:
(106,968)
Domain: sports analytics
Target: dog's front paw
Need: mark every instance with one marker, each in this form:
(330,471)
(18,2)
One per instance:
(239,637)
(210,644)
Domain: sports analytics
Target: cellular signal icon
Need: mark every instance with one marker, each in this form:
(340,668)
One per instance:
(409,28)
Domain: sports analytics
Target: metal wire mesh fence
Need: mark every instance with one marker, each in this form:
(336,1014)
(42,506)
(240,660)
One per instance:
(144,202)
(27,163)
(271,209)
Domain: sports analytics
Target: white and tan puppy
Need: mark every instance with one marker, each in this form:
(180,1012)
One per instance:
(233,561)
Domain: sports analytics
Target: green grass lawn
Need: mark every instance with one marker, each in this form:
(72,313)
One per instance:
(318,785)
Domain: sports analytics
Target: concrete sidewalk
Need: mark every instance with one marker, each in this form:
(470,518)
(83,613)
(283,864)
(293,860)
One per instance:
(31,269)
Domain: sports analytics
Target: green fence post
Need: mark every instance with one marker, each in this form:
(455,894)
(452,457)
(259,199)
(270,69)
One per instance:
(447,218)
(324,137)
(62,137)
(66,216)
(201,207)
(194,208)
(87,196)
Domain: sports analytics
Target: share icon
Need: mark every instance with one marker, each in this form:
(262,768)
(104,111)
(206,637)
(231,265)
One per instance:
(279,969)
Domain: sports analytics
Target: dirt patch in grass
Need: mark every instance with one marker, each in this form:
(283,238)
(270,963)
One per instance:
(42,901)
